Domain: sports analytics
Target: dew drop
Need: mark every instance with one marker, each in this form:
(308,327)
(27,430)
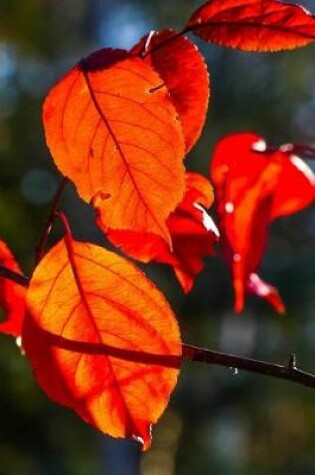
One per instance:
(235,371)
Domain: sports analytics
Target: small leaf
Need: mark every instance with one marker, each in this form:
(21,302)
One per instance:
(112,129)
(184,72)
(262,289)
(254,25)
(101,339)
(192,231)
(12,296)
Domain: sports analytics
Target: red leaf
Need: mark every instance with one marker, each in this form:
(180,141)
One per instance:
(12,296)
(191,229)
(101,339)
(185,74)
(262,289)
(253,186)
(291,198)
(254,25)
(113,130)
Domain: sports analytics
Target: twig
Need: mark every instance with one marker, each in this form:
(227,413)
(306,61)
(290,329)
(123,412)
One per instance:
(289,372)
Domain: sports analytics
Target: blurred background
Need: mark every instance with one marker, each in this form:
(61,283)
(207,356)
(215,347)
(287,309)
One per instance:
(218,421)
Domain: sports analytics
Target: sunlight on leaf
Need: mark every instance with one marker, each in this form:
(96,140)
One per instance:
(192,231)
(254,186)
(112,129)
(184,71)
(254,25)
(80,297)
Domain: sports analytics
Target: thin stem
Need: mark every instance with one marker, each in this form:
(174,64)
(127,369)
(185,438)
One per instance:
(289,372)
(305,151)
(14,276)
(40,248)
(147,50)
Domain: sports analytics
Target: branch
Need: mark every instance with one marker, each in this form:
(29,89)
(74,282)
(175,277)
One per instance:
(290,372)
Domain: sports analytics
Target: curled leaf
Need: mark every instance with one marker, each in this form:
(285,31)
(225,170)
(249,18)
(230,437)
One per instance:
(110,347)
(254,185)
(254,25)
(184,72)
(112,129)
(192,232)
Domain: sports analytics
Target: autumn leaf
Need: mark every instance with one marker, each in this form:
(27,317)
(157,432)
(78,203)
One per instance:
(255,185)
(296,188)
(184,72)
(192,231)
(257,286)
(12,296)
(101,339)
(112,129)
(254,25)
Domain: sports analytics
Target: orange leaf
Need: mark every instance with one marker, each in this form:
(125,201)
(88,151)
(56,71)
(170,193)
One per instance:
(192,231)
(12,295)
(253,186)
(112,129)
(101,339)
(254,25)
(185,74)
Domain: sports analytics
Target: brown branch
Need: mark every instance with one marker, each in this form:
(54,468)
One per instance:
(289,372)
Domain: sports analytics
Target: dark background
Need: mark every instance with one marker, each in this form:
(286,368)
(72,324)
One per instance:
(218,421)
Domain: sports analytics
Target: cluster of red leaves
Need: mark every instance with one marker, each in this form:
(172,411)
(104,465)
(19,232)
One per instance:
(253,187)
(100,337)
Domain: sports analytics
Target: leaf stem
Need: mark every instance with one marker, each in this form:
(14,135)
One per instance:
(305,151)
(40,248)
(14,276)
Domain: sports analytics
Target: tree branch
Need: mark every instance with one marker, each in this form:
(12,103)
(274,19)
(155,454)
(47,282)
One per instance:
(289,372)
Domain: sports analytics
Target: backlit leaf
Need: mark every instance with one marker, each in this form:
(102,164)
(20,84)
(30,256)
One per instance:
(253,186)
(12,296)
(254,25)
(192,231)
(262,289)
(296,188)
(101,339)
(185,74)
(112,129)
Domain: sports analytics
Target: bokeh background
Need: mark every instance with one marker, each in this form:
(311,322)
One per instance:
(218,421)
